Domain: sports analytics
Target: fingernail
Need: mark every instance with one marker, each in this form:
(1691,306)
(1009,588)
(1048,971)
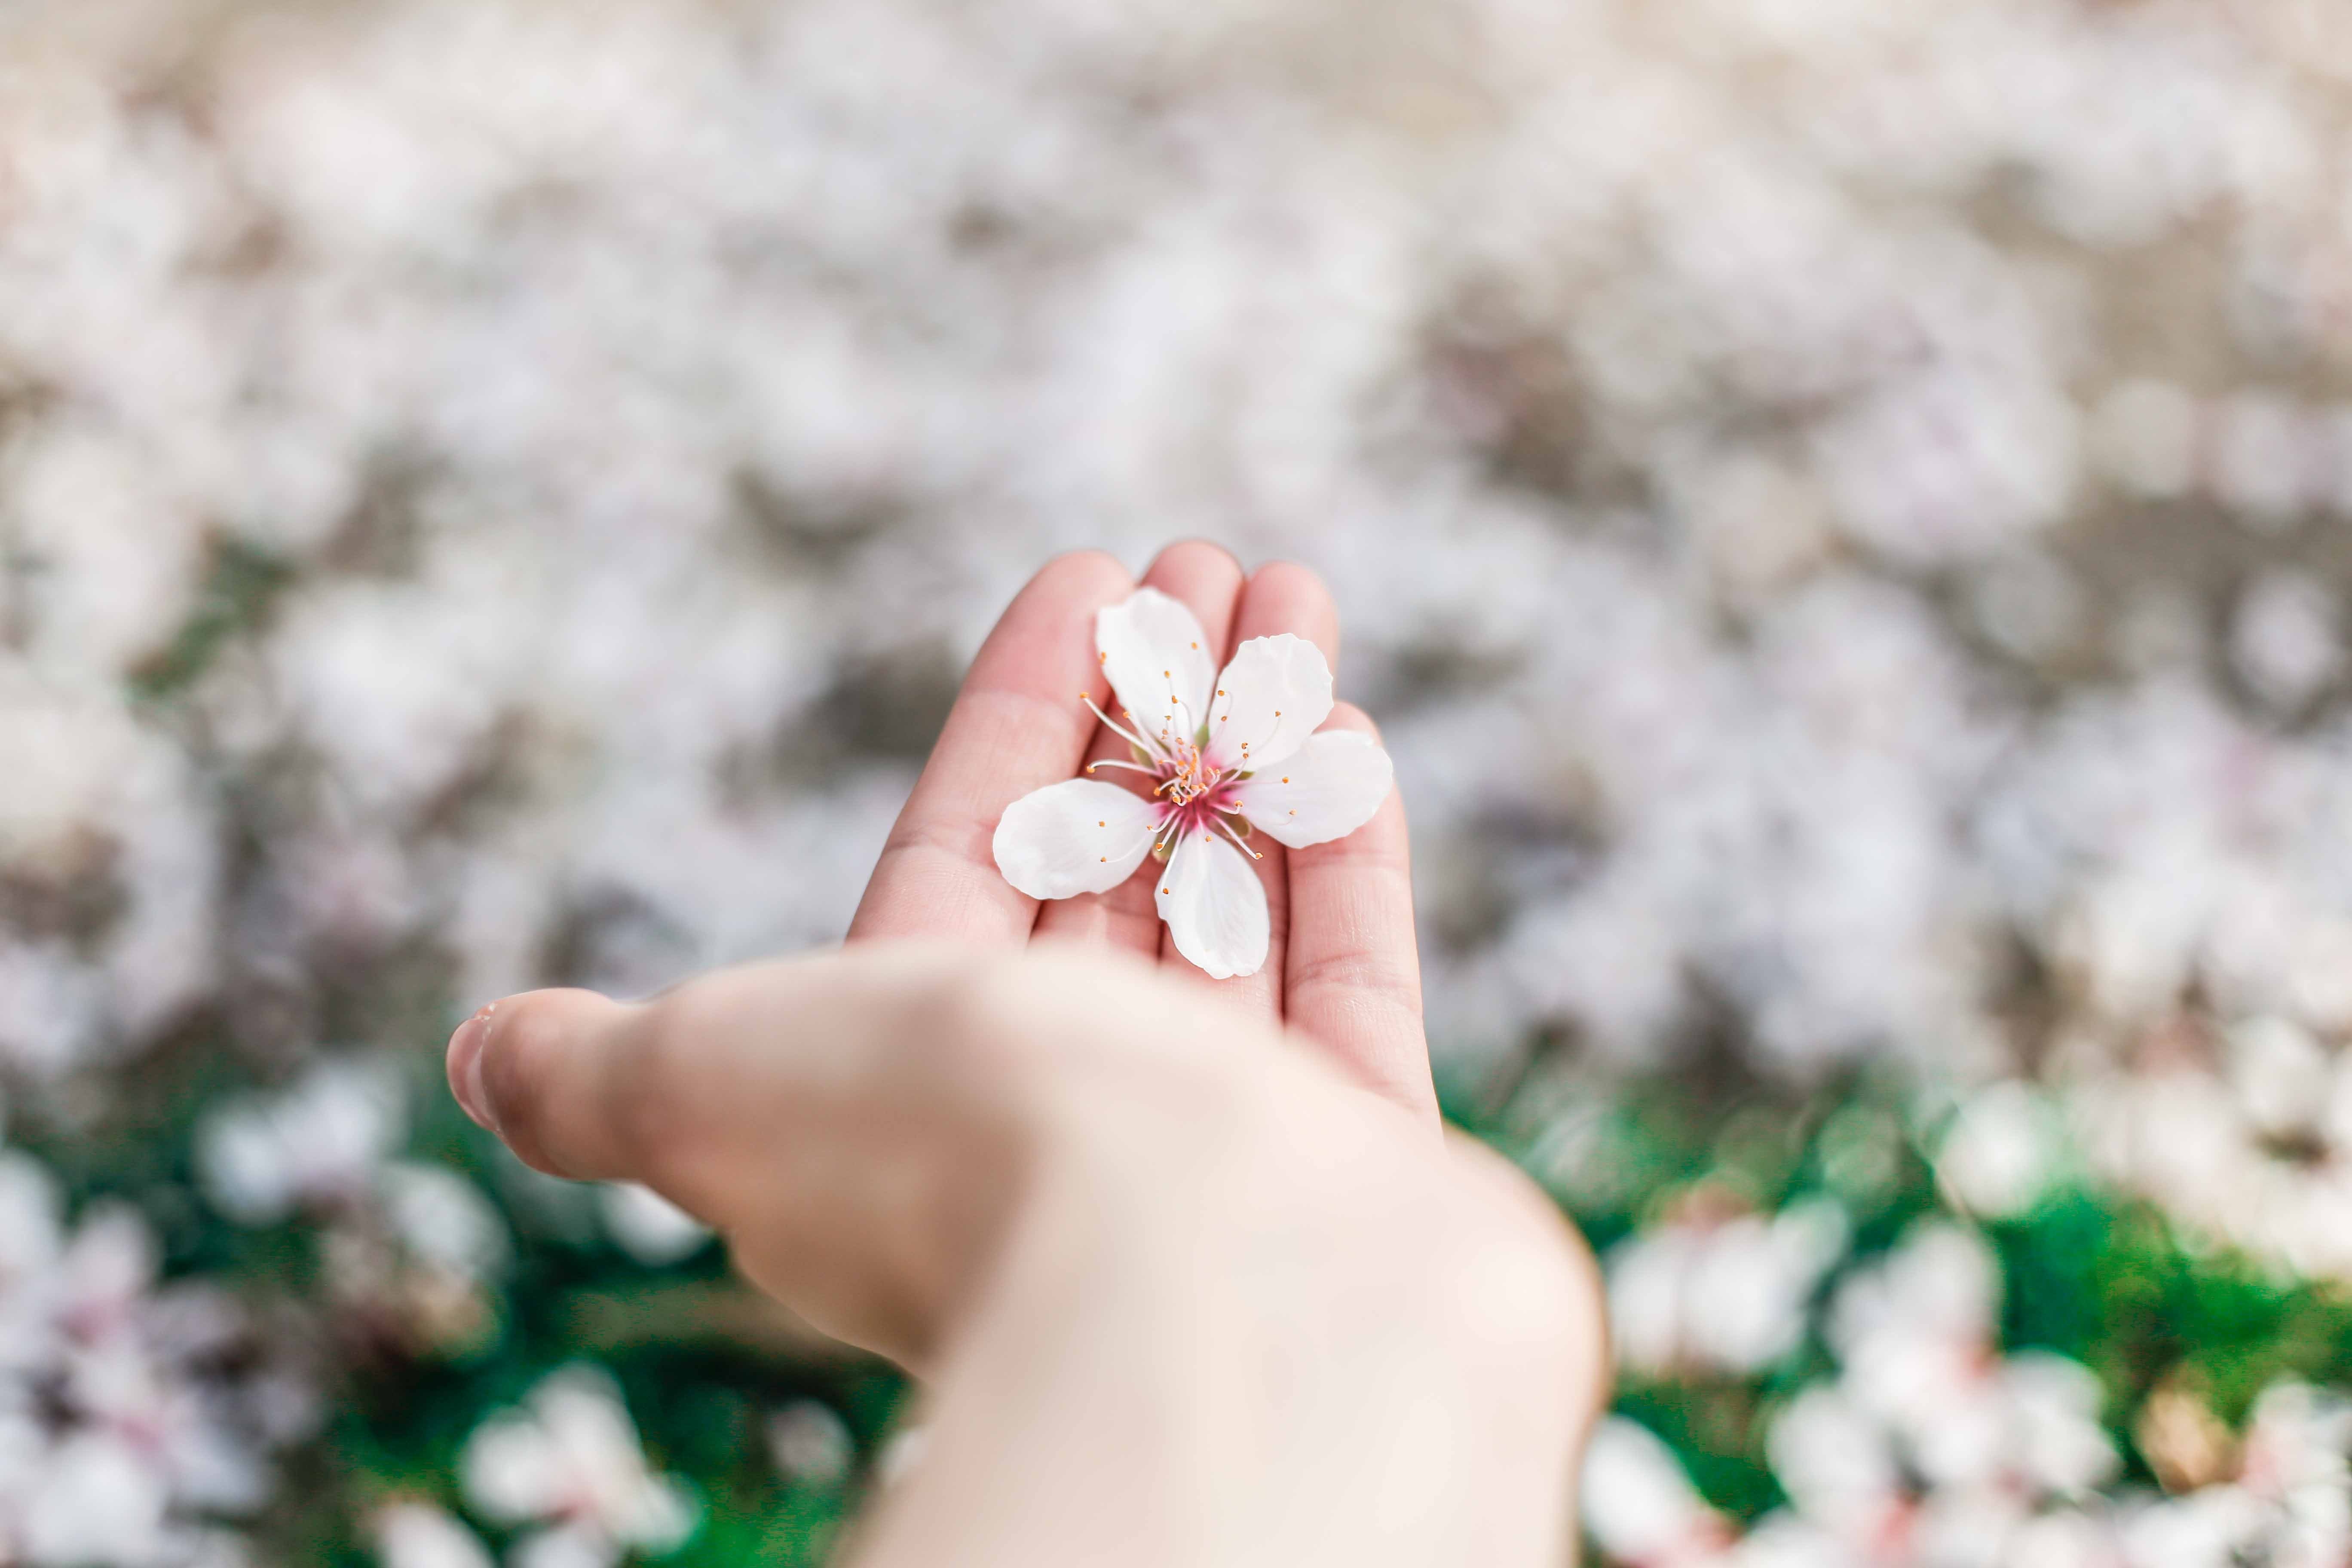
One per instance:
(465,1066)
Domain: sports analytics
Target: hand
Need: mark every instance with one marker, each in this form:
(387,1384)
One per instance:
(1186,1286)
(1342,971)
(1182,1294)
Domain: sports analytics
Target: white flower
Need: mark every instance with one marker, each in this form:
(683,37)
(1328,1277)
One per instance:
(1640,1506)
(1226,753)
(96,1504)
(316,1145)
(418,1535)
(647,1226)
(1725,1295)
(1998,1156)
(1915,1333)
(572,1460)
(443,1218)
(811,1443)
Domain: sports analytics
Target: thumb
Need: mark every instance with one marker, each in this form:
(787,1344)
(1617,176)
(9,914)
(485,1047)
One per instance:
(547,1072)
(851,1121)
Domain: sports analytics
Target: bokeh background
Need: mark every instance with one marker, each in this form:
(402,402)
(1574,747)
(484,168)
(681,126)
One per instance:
(1844,510)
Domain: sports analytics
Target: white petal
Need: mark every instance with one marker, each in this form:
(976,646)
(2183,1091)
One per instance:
(1325,790)
(1080,837)
(1275,694)
(1214,905)
(1159,662)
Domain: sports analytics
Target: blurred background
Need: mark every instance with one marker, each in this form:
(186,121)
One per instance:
(1843,509)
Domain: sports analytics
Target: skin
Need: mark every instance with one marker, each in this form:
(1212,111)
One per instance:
(1188,1268)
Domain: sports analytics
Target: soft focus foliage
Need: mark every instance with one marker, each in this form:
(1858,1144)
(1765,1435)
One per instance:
(1843,508)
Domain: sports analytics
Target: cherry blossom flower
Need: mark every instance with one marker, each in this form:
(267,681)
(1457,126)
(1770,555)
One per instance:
(1642,1509)
(571,1461)
(411,1534)
(1227,752)
(1712,1292)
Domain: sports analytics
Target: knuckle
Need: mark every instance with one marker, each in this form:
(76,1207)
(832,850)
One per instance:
(1358,976)
(643,1103)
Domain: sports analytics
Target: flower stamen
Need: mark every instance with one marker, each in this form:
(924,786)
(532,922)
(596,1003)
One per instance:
(1226,829)
(1114,726)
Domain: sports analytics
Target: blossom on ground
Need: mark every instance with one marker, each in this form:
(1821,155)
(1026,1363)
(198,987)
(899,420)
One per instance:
(411,1534)
(647,1226)
(2286,1500)
(811,1443)
(1720,1293)
(1999,1153)
(122,1440)
(1229,750)
(319,1144)
(412,1243)
(1641,1507)
(568,1461)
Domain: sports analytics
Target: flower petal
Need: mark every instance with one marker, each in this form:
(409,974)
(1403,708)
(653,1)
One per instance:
(1275,693)
(1325,790)
(1078,837)
(1214,905)
(1159,662)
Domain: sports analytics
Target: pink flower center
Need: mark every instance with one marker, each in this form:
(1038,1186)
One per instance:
(1195,793)
(1193,796)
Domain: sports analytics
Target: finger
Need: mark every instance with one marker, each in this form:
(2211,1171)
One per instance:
(1353,981)
(1017,725)
(819,1111)
(1208,579)
(1279,597)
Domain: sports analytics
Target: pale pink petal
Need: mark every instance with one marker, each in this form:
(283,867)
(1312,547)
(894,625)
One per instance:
(1272,695)
(1325,790)
(1215,908)
(1078,837)
(1159,662)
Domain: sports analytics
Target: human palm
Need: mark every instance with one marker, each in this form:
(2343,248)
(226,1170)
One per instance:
(1340,970)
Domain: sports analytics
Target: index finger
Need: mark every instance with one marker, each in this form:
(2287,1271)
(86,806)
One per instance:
(1017,726)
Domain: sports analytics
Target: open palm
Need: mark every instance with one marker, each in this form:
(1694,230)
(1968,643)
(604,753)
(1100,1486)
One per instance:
(1341,969)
